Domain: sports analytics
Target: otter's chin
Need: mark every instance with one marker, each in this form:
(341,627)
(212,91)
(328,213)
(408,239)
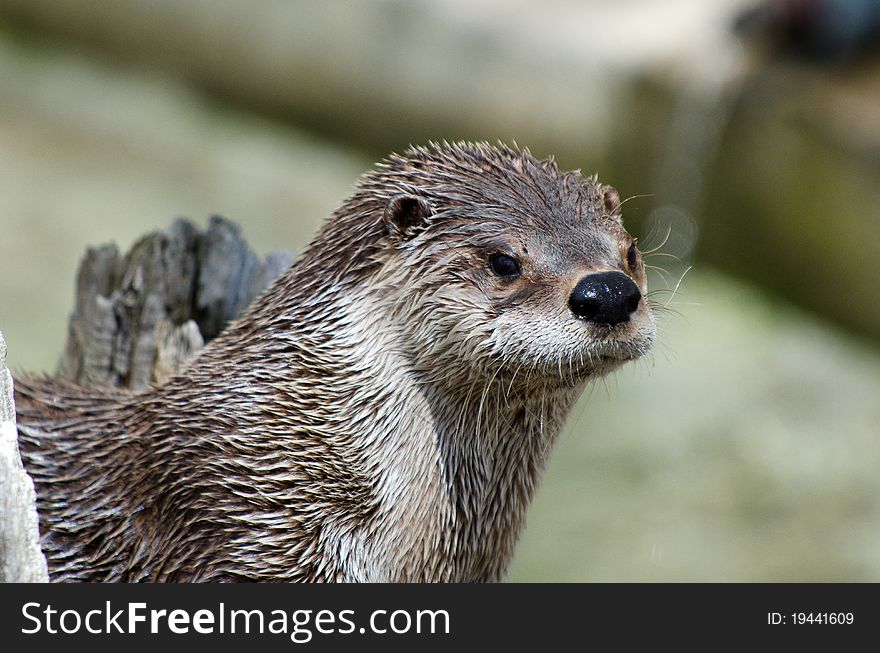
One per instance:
(602,356)
(600,366)
(576,371)
(599,353)
(617,352)
(618,344)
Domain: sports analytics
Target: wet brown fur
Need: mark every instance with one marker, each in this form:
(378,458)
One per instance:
(382,412)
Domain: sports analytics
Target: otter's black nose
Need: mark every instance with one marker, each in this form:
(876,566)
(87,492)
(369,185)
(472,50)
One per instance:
(605,298)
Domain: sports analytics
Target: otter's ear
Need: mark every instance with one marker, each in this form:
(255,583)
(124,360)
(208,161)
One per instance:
(404,214)
(611,203)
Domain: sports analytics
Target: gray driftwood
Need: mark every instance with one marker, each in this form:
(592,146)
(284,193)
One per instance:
(139,318)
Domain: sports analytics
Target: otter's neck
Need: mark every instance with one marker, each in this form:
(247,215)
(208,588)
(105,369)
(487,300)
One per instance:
(455,463)
(422,473)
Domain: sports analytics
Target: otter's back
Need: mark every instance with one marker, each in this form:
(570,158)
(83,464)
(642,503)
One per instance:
(66,434)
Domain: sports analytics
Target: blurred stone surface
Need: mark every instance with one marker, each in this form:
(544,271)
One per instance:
(21,560)
(388,72)
(793,200)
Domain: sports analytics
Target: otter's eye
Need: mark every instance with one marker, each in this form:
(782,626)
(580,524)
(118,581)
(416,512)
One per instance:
(504,265)
(632,256)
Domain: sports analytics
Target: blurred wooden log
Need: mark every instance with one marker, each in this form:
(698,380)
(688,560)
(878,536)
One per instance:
(137,319)
(21,560)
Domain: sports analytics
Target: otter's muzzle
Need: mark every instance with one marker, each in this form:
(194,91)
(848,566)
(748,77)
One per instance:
(605,298)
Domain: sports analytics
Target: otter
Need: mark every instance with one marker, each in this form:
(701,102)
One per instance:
(382,412)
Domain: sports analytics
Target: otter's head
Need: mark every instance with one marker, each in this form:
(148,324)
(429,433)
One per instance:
(498,265)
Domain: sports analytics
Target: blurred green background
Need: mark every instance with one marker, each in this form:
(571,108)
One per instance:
(745,448)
